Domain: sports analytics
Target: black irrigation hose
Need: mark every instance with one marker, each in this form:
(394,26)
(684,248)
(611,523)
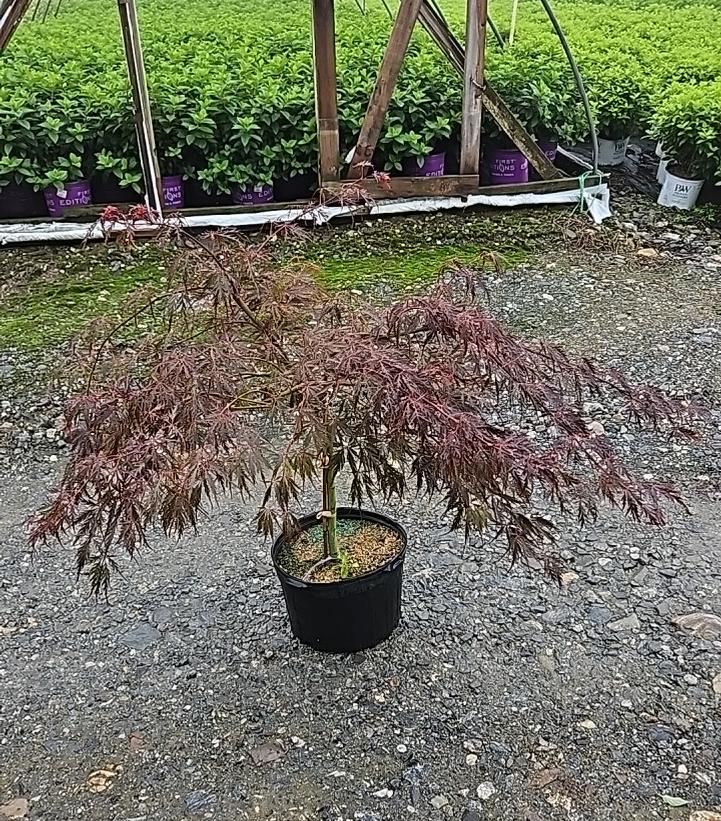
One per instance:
(579,80)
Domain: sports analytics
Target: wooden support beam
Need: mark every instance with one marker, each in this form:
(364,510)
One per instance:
(326,95)
(452,186)
(509,123)
(10,16)
(476,16)
(385,85)
(402,187)
(141,106)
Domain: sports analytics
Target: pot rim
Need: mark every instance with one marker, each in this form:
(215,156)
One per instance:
(311,519)
(670,165)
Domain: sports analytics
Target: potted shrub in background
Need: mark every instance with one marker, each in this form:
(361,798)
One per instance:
(247,184)
(128,177)
(64,185)
(620,94)
(415,141)
(17,196)
(435,132)
(188,139)
(62,168)
(254,185)
(18,143)
(506,164)
(402,149)
(688,124)
(262,378)
(122,173)
(296,178)
(173,174)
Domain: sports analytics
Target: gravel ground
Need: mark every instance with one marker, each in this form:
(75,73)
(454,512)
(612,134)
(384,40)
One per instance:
(499,697)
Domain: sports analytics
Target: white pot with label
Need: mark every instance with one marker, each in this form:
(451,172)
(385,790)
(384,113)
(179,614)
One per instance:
(612,152)
(678,192)
(661,171)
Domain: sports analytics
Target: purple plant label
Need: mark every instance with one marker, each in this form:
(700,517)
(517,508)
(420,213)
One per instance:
(76,195)
(173,192)
(510,169)
(252,195)
(432,166)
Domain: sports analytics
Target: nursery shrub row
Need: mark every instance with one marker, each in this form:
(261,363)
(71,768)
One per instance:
(232,90)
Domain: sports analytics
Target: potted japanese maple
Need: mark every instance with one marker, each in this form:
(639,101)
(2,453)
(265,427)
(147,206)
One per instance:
(262,378)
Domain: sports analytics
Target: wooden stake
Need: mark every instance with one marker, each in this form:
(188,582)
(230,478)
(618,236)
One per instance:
(326,97)
(444,39)
(476,14)
(10,16)
(385,85)
(141,105)
(514,21)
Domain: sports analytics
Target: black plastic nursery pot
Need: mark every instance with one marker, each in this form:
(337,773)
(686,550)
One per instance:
(108,190)
(350,615)
(19,201)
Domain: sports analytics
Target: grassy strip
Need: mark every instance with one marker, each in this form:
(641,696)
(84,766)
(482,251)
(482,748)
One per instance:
(47,307)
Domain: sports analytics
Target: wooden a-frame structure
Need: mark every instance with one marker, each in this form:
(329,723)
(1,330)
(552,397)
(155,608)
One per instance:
(469,62)
(477,95)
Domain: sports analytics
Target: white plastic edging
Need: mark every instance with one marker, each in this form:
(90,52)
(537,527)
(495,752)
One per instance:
(11,234)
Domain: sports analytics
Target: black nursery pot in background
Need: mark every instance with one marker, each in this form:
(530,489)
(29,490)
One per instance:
(197,197)
(300,187)
(108,190)
(20,201)
(350,615)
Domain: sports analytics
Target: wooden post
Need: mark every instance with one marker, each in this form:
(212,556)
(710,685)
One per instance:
(326,96)
(514,21)
(10,16)
(476,14)
(141,105)
(449,45)
(385,85)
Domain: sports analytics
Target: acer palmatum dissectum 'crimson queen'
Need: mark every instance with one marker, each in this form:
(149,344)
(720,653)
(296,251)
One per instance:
(257,375)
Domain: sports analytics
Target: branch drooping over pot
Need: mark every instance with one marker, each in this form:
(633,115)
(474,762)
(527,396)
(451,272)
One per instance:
(256,375)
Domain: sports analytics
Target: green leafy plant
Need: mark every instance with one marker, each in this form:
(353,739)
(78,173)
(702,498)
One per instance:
(621,96)
(64,171)
(688,123)
(398,144)
(239,80)
(15,170)
(126,171)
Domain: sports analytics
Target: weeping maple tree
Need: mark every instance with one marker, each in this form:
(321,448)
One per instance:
(246,372)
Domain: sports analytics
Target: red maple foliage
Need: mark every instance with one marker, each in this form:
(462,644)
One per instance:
(252,373)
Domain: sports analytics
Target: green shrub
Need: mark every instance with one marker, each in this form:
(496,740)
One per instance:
(231,84)
(688,123)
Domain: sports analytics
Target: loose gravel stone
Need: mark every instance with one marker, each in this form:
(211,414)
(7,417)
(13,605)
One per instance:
(199,802)
(485,790)
(627,623)
(142,637)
